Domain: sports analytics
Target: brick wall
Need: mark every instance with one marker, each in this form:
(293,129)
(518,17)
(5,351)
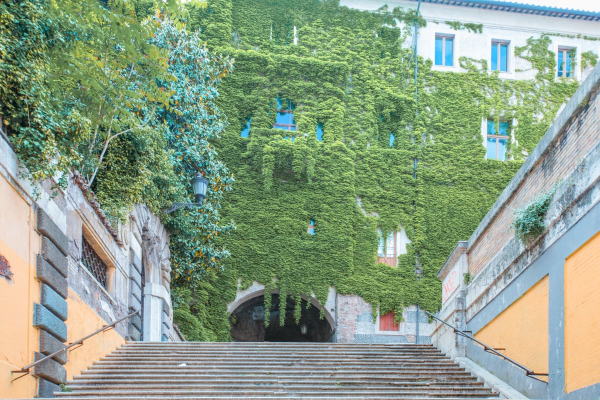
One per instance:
(569,148)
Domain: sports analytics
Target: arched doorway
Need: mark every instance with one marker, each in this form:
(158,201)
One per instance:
(248,322)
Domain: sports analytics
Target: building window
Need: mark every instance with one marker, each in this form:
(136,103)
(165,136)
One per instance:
(246,130)
(386,249)
(444,50)
(311,227)
(392,139)
(320,132)
(387,322)
(93,263)
(497,139)
(499,56)
(285,115)
(566,56)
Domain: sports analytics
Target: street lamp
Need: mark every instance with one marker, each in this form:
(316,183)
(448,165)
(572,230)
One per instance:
(199,185)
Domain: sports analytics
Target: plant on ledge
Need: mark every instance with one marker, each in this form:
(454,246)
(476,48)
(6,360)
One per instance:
(529,219)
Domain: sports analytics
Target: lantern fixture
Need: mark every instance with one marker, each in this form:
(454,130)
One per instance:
(199,186)
(303,329)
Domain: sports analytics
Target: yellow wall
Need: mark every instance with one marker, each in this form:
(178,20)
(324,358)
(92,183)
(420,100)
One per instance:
(82,321)
(18,338)
(582,321)
(522,329)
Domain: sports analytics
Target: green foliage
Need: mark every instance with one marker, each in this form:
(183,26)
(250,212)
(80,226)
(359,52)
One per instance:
(127,101)
(351,72)
(198,308)
(458,26)
(529,220)
(467,277)
(588,59)
(64,388)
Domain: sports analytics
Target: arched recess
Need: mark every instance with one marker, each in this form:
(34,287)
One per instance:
(155,279)
(253,297)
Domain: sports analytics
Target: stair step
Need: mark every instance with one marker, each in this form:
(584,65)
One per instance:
(158,370)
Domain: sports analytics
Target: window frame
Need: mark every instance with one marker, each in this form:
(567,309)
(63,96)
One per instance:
(89,255)
(497,137)
(289,110)
(382,256)
(565,51)
(444,37)
(311,227)
(498,43)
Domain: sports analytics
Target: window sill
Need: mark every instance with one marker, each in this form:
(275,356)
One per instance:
(112,300)
(389,333)
(445,68)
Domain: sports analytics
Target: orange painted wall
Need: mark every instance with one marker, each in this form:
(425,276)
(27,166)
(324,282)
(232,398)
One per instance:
(582,321)
(522,329)
(18,338)
(82,321)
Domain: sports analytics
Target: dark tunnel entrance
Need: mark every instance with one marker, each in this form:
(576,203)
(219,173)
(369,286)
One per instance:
(248,322)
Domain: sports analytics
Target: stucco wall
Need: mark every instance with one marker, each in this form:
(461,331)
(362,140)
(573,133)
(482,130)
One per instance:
(49,298)
(582,321)
(506,271)
(19,244)
(82,321)
(521,330)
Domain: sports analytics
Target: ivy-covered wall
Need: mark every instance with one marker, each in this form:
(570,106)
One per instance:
(353,72)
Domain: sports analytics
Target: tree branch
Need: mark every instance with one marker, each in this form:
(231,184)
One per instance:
(114,136)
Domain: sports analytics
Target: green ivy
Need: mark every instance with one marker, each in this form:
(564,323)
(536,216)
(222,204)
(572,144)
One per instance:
(459,26)
(352,72)
(588,59)
(529,220)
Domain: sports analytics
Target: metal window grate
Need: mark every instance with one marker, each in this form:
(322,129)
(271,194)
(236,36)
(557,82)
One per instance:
(93,263)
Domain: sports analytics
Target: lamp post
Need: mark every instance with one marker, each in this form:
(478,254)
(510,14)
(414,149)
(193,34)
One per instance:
(199,185)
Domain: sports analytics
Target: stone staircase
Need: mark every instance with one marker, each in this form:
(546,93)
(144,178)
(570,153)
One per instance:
(143,370)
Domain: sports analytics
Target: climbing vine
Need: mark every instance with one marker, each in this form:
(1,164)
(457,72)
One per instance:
(459,26)
(351,73)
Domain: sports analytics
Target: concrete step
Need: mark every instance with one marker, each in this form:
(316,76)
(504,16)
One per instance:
(272,397)
(273,362)
(392,372)
(465,378)
(339,392)
(275,370)
(79,384)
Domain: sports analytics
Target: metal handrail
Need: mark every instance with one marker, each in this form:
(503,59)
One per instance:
(528,372)
(25,369)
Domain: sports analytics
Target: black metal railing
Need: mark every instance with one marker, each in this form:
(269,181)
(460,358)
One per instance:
(25,369)
(494,351)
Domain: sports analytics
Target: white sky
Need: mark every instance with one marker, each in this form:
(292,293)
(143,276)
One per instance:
(587,5)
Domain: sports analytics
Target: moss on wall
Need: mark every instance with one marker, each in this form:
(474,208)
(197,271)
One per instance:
(352,72)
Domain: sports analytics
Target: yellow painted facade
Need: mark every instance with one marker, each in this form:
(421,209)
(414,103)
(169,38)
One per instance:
(522,329)
(82,321)
(19,339)
(19,244)
(582,321)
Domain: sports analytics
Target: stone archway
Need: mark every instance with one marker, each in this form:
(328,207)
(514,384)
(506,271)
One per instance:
(248,318)
(155,274)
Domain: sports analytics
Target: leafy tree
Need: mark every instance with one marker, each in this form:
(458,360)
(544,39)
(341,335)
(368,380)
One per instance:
(193,123)
(126,101)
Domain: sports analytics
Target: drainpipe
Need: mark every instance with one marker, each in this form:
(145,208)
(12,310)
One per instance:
(417,341)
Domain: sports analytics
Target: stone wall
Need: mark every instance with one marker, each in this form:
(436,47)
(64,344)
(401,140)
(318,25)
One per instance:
(41,244)
(504,269)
